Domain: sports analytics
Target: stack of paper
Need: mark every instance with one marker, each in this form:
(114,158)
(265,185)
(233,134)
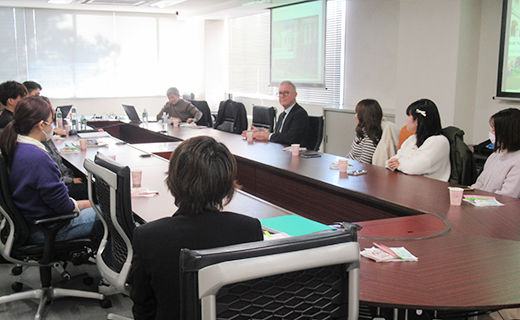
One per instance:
(382,253)
(482,201)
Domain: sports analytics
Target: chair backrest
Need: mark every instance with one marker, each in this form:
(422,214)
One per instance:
(387,146)
(206,119)
(112,187)
(231,117)
(309,277)
(314,133)
(264,116)
(463,169)
(14,230)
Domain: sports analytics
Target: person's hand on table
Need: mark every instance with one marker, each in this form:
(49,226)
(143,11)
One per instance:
(261,134)
(60,132)
(393,164)
(190,120)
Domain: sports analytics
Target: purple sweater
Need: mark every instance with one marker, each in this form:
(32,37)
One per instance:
(36,184)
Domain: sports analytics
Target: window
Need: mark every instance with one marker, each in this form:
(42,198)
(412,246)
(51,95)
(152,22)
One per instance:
(249,57)
(75,54)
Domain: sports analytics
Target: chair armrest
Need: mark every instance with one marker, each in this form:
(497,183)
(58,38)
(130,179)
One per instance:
(54,219)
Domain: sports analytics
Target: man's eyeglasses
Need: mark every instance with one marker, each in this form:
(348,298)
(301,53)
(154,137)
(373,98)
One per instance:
(283,93)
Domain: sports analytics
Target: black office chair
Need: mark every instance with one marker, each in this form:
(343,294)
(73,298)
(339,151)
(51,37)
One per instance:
(114,256)
(231,117)
(15,248)
(308,277)
(314,133)
(463,168)
(263,117)
(206,119)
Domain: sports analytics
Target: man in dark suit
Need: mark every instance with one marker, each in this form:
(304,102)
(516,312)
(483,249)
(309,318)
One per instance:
(201,177)
(292,123)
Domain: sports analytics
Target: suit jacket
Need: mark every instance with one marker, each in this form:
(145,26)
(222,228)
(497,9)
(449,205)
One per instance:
(231,117)
(294,128)
(155,265)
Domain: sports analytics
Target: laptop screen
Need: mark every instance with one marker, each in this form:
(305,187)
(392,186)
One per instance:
(64,110)
(131,113)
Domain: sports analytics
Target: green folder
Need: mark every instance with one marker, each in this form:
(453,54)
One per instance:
(294,225)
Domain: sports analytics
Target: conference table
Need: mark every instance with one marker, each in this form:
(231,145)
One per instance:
(469,257)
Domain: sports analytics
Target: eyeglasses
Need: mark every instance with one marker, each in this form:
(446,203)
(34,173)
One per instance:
(283,93)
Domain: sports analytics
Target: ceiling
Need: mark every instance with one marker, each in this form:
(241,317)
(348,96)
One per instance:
(209,9)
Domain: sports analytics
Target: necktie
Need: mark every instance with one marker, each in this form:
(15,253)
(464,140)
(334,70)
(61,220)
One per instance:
(280,120)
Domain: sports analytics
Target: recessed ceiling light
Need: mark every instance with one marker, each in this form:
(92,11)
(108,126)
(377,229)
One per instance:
(166,3)
(60,1)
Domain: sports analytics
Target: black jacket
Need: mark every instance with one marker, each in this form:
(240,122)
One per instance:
(294,128)
(155,265)
(231,117)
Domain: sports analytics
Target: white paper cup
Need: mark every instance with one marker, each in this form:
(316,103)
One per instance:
(249,136)
(456,196)
(137,175)
(83,144)
(295,149)
(342,165)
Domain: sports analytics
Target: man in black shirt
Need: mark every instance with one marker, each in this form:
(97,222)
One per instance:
(10,93)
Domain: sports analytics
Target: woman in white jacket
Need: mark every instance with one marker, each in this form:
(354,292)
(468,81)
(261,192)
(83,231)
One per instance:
(427,152)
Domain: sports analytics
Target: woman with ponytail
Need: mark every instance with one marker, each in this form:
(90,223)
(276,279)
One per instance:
(37,188)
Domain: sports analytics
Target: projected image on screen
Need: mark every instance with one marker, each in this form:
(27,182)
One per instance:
(509,59)
(297,50)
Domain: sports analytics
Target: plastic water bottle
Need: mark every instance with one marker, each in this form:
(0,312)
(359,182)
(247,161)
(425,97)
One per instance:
(164,120)
(74,118)
(145,116)
(83,123)
(59,118)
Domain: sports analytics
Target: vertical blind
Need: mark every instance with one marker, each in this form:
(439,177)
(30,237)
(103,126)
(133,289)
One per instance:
(249,57)
(100,54)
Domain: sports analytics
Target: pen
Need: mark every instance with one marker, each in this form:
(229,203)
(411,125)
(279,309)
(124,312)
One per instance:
(267,233)
(387,250)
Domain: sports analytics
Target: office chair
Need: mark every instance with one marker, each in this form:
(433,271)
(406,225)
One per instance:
(114,256)
(206,119)
(315,276)
(231,117)
(263,117)
(314,133)
(463,168)
(14,248)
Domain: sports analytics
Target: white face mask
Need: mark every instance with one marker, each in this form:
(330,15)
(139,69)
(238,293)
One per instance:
(492,137)
(48,136)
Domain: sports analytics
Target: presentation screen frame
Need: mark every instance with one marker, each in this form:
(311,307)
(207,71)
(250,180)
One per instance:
(316,84)
(503,62)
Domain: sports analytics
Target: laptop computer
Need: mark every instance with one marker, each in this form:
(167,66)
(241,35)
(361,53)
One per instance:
(64,110)
(131,113)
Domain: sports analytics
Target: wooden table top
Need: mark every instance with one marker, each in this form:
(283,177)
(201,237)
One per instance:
(469,257)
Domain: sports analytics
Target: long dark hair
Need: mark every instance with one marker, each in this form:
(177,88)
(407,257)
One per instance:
(507,129)
(27,113)
(369,115)
(428,119)
(201,175)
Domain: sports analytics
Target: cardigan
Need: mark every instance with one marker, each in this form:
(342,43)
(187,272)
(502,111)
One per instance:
(501,174)
(431,160)
(155,265)
(37,188)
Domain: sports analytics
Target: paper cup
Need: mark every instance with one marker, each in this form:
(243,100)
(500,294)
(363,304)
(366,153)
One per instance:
(342,165)
(295,149)
(249,136)
(137,175)
(456,196)
(83,144)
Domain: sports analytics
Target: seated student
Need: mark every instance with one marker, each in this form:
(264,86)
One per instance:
(501,172)
(33,88)
(36,185)
(201,177)
(76,185)
(368,130)
(179,108)
(427,152)
(10,93)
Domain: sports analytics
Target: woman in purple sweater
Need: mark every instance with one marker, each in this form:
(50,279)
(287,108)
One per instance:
(501,172)
(35,180)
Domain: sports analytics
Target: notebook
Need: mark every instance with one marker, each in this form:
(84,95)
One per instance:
(294,225)
(64,110)
(131,113)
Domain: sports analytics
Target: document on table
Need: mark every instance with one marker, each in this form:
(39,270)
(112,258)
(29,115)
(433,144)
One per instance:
(482,201)
(93,135)
(294,225)
(382,253)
